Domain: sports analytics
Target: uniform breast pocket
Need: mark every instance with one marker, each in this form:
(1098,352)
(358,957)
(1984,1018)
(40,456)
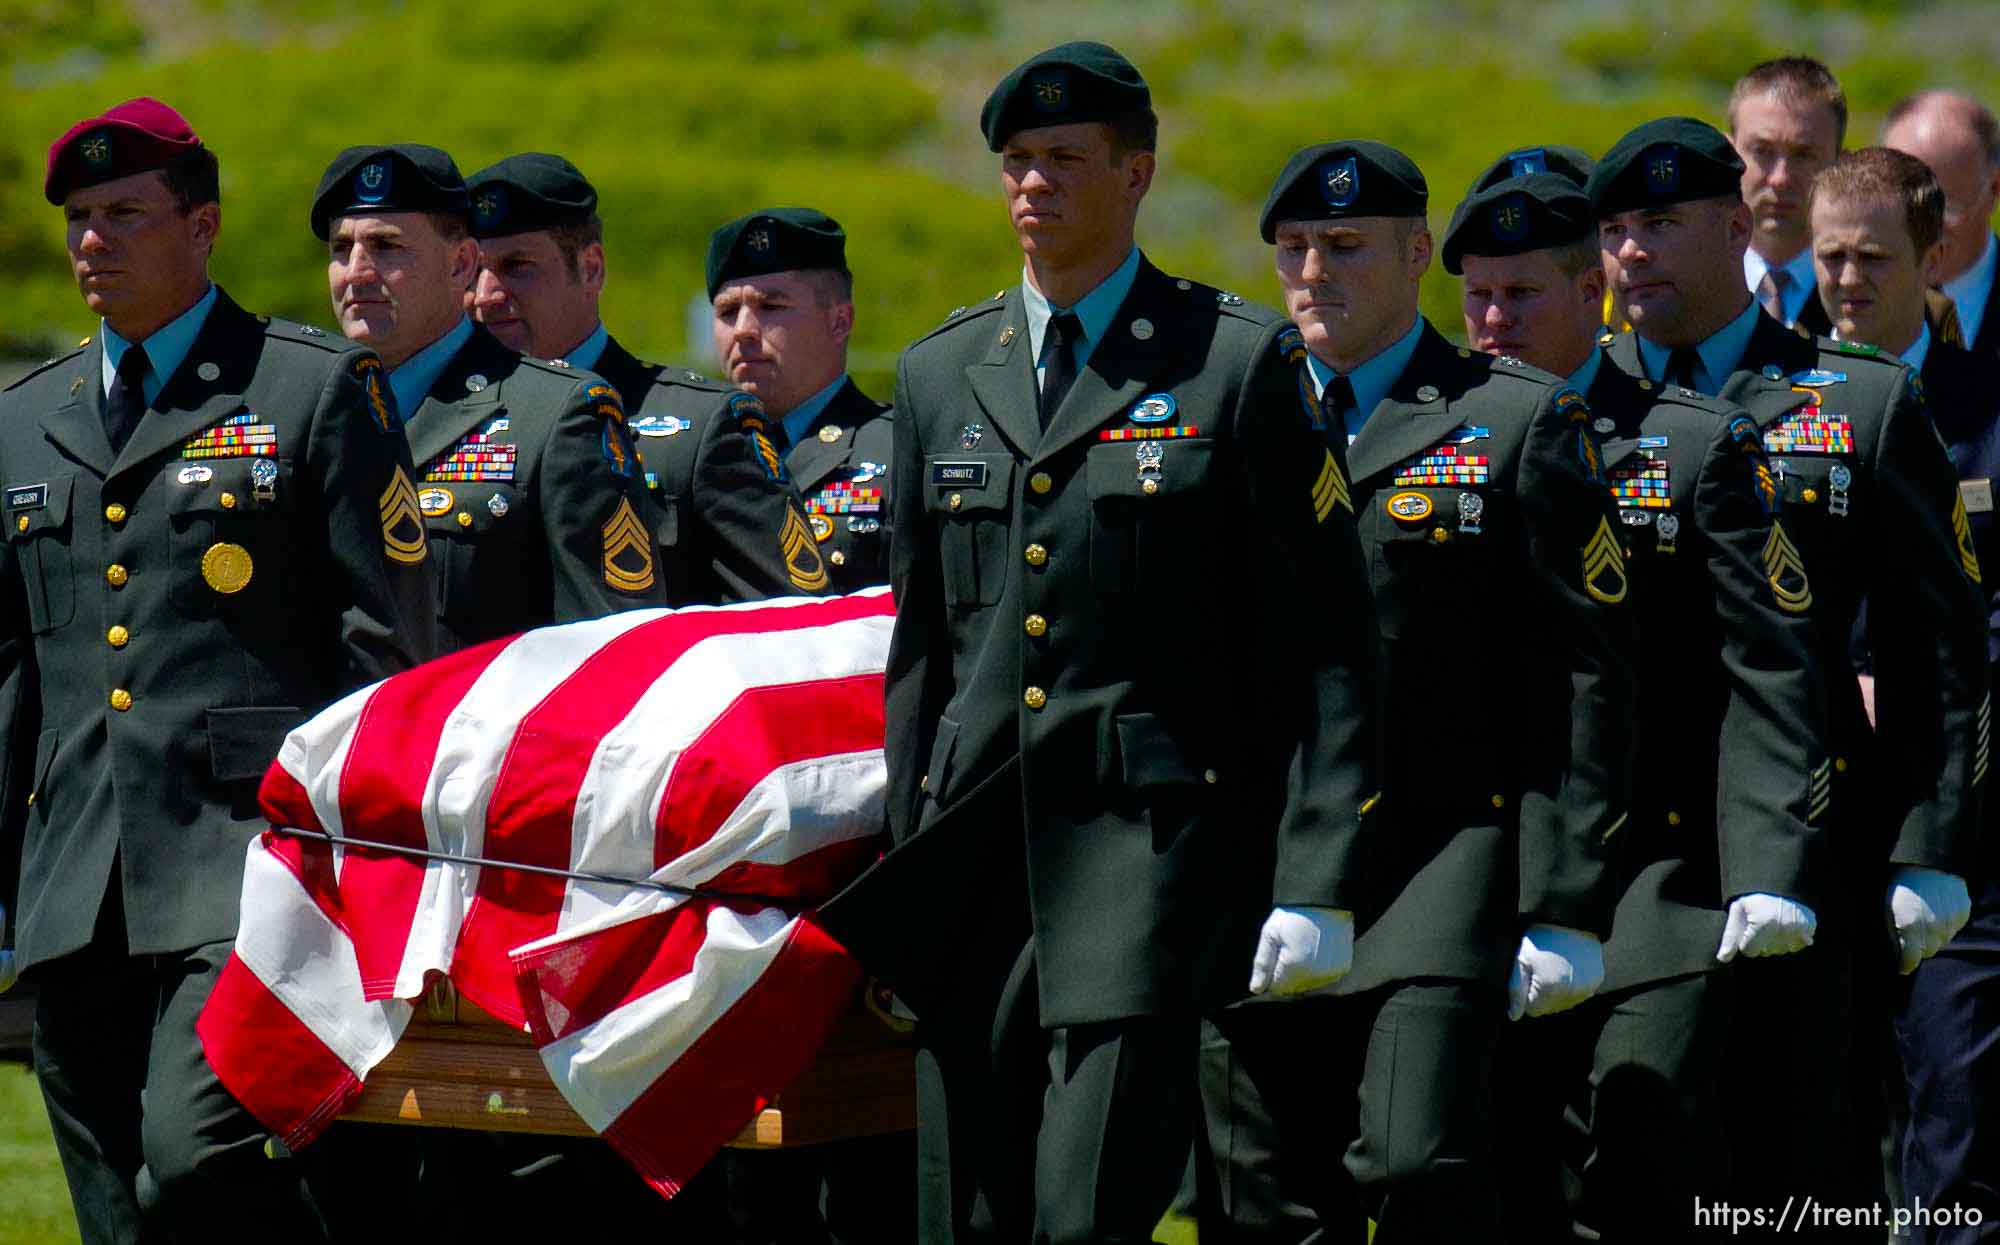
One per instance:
(1819,500)
(970,498)
(1153,504)
(229,530)
(38,524)
(460,520)
(1433,552)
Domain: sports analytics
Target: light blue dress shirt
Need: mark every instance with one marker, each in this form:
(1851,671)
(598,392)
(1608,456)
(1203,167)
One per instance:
(411,383)
(1584,377)
(1094,309)
(592,349)
(1373,380)
(1969,291)
(1719,354)
(166,349)
(804,413)
(1802,281)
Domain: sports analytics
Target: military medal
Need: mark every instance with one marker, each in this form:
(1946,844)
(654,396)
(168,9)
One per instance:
(1471,509)
(226,567)
(968,436)
(856,523)
(264,480)
(1669,528)
(1142,329)
(1840,478)
(497,505)
(1155,408)
(1151,457)
(865,471)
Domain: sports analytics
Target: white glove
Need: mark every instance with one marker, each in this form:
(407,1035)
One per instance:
(1302,949)
(1762,924)
(1556,968)
(6,956)
(1926,908)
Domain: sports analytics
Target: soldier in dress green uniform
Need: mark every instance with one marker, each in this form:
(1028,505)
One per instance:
(1724,854)
(527,478)
(1131,691)
(728,524)
(1498,571)
(784,310)
(211,533)
(1871,504)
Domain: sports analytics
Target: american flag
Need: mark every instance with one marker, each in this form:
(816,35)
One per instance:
(734,750)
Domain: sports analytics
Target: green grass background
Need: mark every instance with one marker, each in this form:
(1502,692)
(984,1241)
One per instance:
(686,115)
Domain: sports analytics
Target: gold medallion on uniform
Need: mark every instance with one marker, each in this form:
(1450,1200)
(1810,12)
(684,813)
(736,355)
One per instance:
(226,567)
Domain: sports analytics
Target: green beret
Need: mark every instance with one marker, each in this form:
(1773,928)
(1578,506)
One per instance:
(1571,162)
(1065,85)
(1352,178)
(1517,215)
(1671,160)
(531,191)
(774,240)
(401,177)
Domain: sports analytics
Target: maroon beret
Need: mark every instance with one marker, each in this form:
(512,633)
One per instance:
(137,136)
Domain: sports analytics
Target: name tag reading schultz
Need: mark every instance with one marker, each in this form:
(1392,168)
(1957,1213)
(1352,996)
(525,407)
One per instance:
(973,474)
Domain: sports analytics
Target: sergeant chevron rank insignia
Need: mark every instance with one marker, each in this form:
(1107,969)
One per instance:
(1787,572)
(1330,490)
(403,537)
(1961,527)
(628,550)
(1604,565)
(803,565)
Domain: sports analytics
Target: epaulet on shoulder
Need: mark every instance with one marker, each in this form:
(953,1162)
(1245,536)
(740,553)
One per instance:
(304,335)
(1688,397)
(966,315)
(667,375)
(554,367)
(1508,365)
(1857,350)
(56,362)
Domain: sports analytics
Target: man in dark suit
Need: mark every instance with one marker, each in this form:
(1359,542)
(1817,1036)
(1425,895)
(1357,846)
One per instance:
(1959,138)
(1787,119)
(784,309)
(1130,695)
(211,532)
(1878,225)
(528,481)
(727,522)
(1722,857)
(1499,580)
(1869,502)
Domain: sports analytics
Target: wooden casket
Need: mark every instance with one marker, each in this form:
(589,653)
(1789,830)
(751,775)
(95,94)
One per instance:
(458,1067)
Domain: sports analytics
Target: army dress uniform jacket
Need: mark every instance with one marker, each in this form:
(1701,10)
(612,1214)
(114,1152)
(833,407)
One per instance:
(1136,648)
(729,526)
(172,610)
(531,492)
(1733,778)
(841,466)
(1870,501)
(1500,586)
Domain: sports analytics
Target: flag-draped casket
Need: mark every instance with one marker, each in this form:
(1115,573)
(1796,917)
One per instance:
(735,751)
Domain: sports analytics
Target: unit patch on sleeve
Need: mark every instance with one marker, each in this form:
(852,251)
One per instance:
(368,370)
(628,550)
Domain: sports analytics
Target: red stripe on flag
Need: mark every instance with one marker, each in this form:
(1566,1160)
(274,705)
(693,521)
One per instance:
(284,800)
(312,864)
(811,878)
(382,798)
(269,1059)
(529,817)
(739,1064)
(579,982)
(764,728)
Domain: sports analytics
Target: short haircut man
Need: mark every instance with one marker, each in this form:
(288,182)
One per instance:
(1787,118)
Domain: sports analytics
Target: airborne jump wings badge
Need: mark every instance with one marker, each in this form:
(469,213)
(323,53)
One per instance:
(628,550)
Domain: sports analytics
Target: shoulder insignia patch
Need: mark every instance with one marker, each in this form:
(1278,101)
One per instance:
(1786,571)
(628,550)
(403,539)
(796,544)
(1330,489)
(368,370)
(1571,405)
(1228,298)
(1292,345)
(1589,455)
(1961,527)
(1604,565)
